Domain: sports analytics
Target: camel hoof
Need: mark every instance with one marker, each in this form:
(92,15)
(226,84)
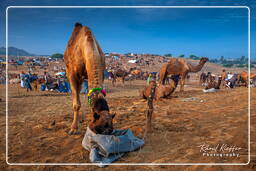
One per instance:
(74,132)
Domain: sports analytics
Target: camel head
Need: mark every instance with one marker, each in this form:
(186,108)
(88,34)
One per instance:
(203,60)
(102,122)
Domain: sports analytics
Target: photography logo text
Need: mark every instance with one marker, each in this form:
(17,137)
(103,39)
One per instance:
(219,150)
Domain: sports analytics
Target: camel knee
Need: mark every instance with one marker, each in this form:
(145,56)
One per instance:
(76,107)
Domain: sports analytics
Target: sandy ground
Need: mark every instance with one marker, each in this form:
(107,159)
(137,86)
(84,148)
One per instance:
(180,125)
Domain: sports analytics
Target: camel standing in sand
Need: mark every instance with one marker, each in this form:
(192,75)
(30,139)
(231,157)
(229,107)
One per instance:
(180,67)
(137,73)
(243,77)
(84,59)
(119,73)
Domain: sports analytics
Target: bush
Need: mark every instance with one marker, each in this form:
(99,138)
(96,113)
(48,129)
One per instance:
(57,55)
(168,55)
(228,65)
(240,66)
(251,66)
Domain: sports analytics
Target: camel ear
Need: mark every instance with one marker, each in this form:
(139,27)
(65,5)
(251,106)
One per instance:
(96,116)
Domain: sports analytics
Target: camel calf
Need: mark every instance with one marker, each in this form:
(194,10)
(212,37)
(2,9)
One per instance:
(161,91)
(154,91)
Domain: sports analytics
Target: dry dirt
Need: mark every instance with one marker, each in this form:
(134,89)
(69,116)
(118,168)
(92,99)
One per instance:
(180,124)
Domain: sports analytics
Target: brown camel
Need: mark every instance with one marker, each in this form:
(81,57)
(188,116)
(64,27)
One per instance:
(180,67)
(119,73)
(84,59)
(223,76)
(161,91)
(203,77)
(243,78)
(214,84)
(154,91)
(137,73)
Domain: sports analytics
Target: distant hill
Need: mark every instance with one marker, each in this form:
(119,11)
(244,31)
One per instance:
(13,51)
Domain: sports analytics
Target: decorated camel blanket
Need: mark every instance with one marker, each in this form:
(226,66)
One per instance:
(105,149)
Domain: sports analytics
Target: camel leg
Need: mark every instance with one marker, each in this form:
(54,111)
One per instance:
(113,82)
(149,118)
(123,80)
(75,88)
(182,83)
(149,112)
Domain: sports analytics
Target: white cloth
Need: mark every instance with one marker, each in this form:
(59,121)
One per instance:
(229,76)
(105,149)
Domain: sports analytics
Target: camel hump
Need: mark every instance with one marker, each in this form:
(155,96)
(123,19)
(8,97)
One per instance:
(78,25)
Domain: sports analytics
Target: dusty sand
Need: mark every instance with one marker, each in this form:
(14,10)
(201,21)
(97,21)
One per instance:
(180,125)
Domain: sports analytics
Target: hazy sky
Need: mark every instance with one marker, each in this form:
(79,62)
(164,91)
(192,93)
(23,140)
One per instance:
(204,32)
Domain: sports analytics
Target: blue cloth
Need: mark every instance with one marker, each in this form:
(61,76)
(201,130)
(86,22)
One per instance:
(84,88)
(67,85)
(105,149)
(63,87)
(33,78)
(29,75)
(43,87)
(27,82)
(106,74)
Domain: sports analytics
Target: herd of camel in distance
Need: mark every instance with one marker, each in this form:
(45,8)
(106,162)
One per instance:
(85,59)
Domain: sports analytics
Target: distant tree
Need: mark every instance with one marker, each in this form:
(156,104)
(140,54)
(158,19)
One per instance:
(168,55)
(194,57)
(57,55)
(251,66)
(182,56)
(213,60)
(240,66)
(228,65)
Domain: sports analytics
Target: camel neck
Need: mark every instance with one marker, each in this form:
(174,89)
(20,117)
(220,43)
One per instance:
(196,68)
